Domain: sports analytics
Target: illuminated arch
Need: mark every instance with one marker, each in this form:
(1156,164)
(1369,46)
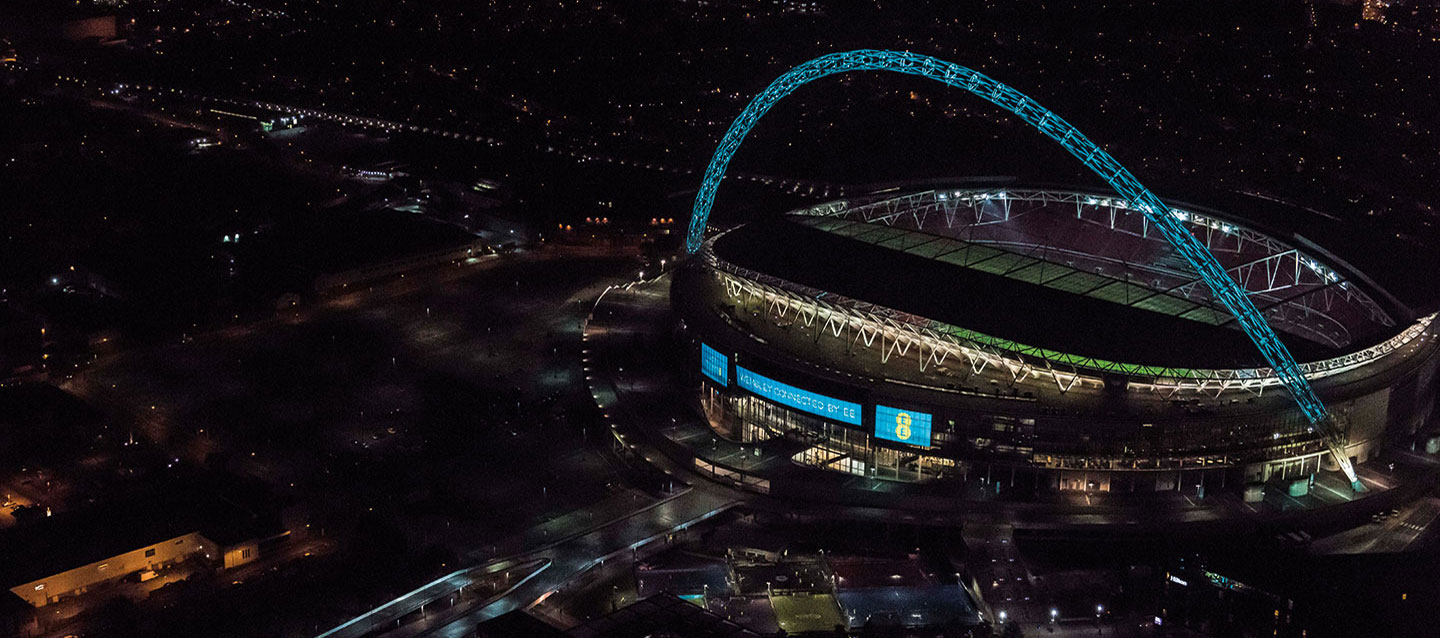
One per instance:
(1097,160)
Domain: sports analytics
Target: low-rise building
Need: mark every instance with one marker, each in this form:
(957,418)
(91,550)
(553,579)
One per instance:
(150,556)
(73,553)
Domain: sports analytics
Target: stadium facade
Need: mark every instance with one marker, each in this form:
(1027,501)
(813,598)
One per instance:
(1041,338)
(1052,338)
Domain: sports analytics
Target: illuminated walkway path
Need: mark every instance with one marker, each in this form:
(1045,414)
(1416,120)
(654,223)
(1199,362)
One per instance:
(538,571)
(571,558)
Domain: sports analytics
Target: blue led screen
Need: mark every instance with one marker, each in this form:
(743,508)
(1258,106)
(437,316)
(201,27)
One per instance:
(791,396)
(715,365)
(902,426)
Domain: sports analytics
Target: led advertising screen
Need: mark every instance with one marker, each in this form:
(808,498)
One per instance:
(715,365)
(791,396)
(902,426)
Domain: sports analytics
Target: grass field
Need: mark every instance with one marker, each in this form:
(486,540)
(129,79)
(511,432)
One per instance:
(803,613)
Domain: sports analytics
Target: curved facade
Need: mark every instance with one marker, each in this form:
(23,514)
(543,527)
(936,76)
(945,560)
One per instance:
(1138,197)
(924,391)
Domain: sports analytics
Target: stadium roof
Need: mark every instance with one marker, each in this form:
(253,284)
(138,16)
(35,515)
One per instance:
(991,304)
(1389,262)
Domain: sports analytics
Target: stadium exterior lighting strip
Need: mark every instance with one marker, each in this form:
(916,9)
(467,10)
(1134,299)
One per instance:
(1224,289)
(943,340)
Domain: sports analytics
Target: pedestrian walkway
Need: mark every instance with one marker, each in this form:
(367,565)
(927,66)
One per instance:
(577,545)
(618,540)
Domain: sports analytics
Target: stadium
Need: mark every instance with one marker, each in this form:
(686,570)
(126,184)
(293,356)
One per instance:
(984,337)
(1043,338)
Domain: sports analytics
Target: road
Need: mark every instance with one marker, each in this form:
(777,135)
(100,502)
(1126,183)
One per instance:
(1398,533)
(579,153)
(570,545)
(573,557)
(452,583)
(565,559)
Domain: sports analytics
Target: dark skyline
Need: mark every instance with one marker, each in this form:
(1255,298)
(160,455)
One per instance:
(379,318)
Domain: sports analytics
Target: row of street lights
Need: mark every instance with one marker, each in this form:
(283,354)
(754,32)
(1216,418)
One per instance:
(1055,613)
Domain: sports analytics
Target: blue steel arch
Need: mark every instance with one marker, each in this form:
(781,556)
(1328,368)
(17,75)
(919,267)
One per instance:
(1096,159)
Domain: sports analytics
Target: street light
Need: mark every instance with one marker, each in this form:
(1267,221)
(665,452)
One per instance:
(1054,613)
(1002,616)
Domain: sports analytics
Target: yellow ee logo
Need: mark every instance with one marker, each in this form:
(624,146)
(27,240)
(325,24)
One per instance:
(902,426)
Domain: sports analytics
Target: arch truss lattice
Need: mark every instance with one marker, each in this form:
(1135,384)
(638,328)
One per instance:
(1224,289)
